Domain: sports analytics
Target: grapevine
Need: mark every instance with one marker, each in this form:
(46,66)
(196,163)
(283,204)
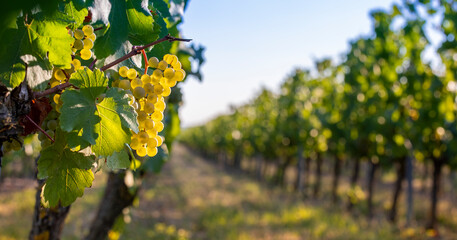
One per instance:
(106,115)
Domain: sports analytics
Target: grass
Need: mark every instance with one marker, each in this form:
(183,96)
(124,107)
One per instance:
(193,199)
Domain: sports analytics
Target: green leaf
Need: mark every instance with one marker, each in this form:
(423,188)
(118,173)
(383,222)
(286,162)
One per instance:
(119,160)
(75,140)
(46,38)
(115,114)
(128,21)
(104,125)
(67,172)
(76,10)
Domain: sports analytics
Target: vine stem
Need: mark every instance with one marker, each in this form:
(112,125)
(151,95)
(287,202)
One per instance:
(39,128)
(135,50)
(55,89)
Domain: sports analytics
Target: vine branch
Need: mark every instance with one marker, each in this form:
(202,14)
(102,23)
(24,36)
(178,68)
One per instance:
(55,89)
(135,51)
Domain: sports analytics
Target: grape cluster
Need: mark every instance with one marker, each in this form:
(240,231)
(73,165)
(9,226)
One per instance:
(14,145)
(84,41)
(50,125)
(147,97)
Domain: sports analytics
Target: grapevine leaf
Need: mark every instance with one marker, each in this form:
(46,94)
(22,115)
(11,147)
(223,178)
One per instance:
(75,10)
(162,7)
(46,38)
(104,125)
(141,23)
(67,172)
(119,160)
(128,21)
(116,117)
(79,106)
(75,140)
(116,33)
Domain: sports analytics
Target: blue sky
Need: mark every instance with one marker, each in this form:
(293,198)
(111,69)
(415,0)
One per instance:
(254,43)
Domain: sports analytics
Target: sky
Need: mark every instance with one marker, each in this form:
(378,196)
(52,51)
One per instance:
(252,44)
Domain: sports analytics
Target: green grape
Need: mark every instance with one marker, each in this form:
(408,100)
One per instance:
(159,140)
(76,64)
(179,75)
(173,60)
(157,74)
(170,59)
(123,71)
(88,43)
(78,44)
(149,88)
(158,126)
(135,143)
(41,136)
(50,133)
(162,65)
(52,124)
(86,54)
(151,151)
(56,98)
(52,115)
(169,73)
(79,34)
(141,151)
(136,83)
(157,116)
(149,107)
(55,83)
(141,124)
(152,133)
(92,37)
(152,142)
(153,62)
(124,84)
(166,91)
(131,73)
(152,98)
(158,89)
(166,58)
(160,105)
(142,115)
(60,75)
(170,82)
(45,143)
(15,145)
(176,65)
(145,78)
(143,137)
(116,83)
(88,30)
(148,123)
(139,92)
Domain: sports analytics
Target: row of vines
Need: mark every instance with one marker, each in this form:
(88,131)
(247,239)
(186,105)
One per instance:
(383,106)
(98,83)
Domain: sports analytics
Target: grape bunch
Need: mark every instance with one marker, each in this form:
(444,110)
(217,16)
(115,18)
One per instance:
(50,125)
(147,98)
(13,145)
(84,42)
